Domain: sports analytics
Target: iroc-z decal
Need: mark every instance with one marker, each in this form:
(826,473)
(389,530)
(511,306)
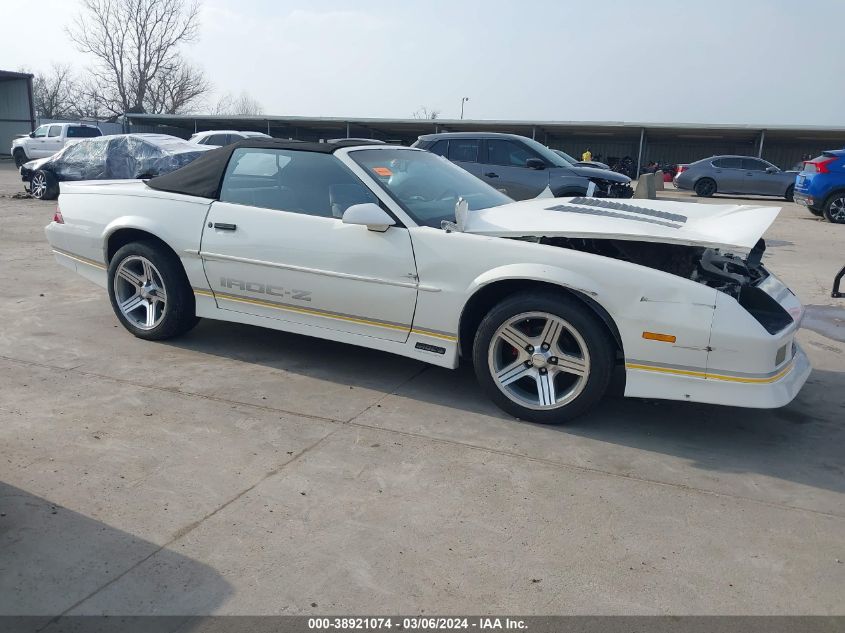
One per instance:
(266,289)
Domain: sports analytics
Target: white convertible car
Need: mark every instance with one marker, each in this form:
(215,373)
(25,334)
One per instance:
(397,249)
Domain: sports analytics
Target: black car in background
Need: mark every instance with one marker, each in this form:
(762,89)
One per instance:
(117,157)
(523,168)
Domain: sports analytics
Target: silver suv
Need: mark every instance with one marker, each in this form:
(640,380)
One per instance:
(735,174)
(523,168)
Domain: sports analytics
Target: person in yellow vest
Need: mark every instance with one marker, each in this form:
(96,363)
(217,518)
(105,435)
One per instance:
(587,156)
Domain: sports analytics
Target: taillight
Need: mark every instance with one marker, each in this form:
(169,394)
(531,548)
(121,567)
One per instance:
(817,166)
(57,216)
(681,169)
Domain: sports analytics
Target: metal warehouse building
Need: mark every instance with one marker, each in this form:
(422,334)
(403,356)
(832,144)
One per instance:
(17,115)
(643,142)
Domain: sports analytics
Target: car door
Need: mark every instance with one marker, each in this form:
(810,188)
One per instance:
(504,167)
(274,246)
(759,181)
(728,174)
(54,141)
(36,146)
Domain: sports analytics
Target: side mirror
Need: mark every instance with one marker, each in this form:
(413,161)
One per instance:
(771,170)
(32,135)
(535,163)
(370,215)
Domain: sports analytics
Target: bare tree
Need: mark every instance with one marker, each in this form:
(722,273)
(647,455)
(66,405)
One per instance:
(136,47)
(425,113)
(54,93)
(176,90)
(242,105)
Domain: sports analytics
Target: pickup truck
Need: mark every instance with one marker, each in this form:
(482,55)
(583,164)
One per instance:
(48,139)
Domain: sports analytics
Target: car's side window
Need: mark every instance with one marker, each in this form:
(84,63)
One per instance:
(312,183)
(727,163)
(217,139)
(41,131)
(439,148)
(752,164)
(505,152)
(464,150)
(55,130)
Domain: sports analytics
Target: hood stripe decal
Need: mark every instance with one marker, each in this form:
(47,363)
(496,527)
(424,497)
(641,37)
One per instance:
(631,208)
(612,214)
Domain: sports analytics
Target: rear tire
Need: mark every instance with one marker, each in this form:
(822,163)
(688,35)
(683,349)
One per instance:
(149,291)
(790,193)
(834,208)
(543,357)
(705,187)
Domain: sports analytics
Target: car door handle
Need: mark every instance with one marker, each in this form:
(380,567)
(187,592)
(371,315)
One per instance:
(225,226)
(491,174)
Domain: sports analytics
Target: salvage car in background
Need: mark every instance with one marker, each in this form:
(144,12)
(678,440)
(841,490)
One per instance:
(220,138)
(50,138)
(120,156)
(393,248)
(735,175)
(821,186)
(523,168)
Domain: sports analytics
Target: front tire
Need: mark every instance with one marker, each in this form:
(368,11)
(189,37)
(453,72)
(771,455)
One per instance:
(43,185)
(149,291)
(834,208)
(543,357)
(705,187)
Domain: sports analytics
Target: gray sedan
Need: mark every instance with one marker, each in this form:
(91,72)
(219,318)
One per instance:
(735,174)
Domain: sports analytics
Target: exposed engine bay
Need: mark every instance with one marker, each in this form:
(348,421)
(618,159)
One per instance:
(726,272)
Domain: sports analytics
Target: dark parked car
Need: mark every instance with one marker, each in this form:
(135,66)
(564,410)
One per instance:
(122,156)
(735,174)
(821,185)
(523,168)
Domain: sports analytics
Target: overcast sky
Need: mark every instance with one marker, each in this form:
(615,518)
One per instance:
(713,61)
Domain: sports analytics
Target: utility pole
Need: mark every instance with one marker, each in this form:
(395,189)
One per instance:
(463,101)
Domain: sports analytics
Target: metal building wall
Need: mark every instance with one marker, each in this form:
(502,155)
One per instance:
(15,111)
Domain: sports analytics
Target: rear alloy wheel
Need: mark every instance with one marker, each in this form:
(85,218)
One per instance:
(43,185)
(834,208)
(542,357)
(149,292)
(705,187)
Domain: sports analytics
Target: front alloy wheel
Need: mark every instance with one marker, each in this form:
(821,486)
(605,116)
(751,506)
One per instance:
(539,360)
(38,185)
(139,292)
(543,356)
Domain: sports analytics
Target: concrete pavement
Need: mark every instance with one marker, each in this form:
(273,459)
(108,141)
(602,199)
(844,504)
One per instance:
(245,471)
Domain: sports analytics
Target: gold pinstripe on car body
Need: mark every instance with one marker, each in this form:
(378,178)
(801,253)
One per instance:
(715,374)
(80,259)
(351,318)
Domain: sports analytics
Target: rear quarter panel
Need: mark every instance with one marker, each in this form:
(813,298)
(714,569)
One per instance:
(94,211)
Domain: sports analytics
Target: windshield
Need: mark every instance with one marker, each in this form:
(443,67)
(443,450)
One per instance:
(565,156)
(425,185)
(549,155)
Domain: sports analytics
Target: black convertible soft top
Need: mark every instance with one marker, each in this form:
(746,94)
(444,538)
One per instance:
(203,176)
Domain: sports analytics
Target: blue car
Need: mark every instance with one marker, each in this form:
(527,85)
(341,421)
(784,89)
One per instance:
(821,185)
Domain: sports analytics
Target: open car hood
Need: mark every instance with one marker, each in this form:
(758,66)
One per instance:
(689,223)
